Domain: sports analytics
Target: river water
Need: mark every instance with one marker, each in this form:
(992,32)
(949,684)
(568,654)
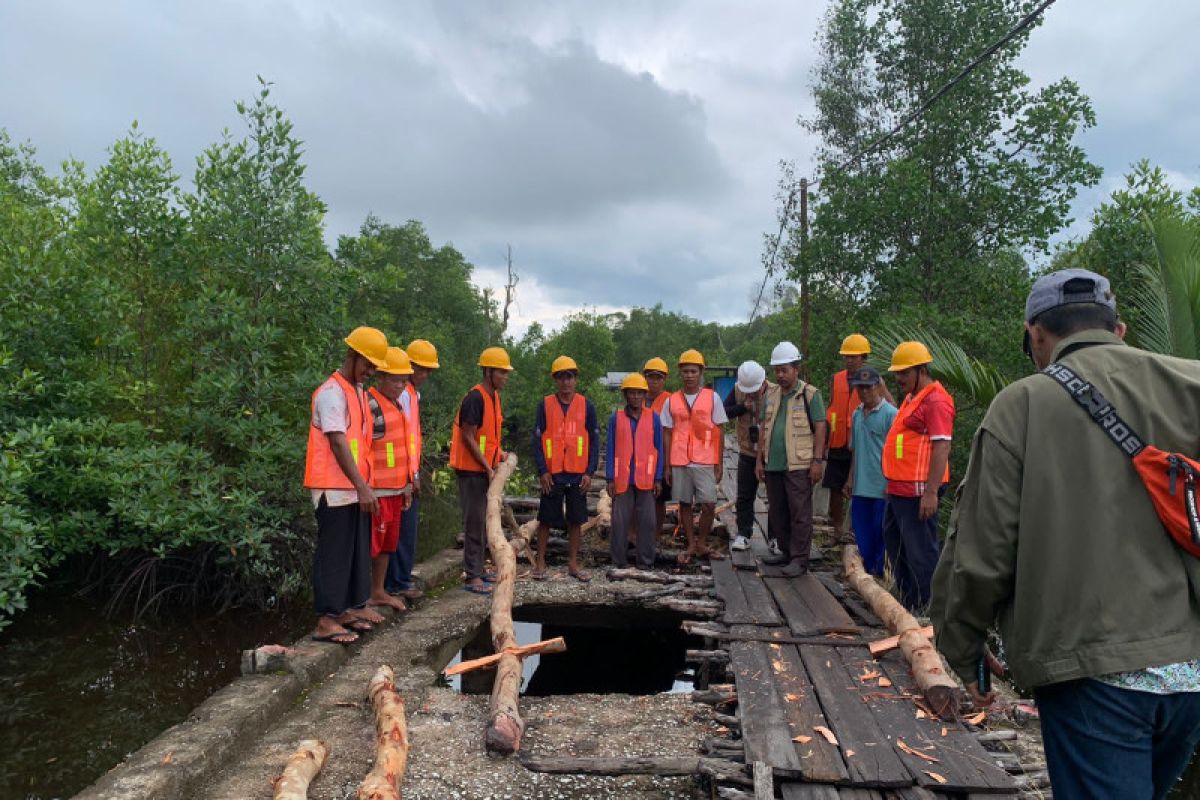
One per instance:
(79,691)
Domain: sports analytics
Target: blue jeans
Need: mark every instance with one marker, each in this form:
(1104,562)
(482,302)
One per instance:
(400,565)
(1103,742)
(866,515)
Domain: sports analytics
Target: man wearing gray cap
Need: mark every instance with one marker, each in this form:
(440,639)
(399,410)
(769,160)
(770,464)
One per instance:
(1055,541)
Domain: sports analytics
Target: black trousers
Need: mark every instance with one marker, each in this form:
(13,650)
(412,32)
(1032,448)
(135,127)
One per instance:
(472,501)
(342,561)
(747,490)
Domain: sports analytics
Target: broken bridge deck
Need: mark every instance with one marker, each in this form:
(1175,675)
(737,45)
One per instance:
(828,719)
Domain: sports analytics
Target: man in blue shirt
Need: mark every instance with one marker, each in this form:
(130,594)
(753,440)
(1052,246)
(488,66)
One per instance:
(866,487)
(566,449)
(634,471)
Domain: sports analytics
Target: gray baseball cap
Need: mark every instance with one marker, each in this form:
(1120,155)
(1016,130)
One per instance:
(864,376)
(1051,291)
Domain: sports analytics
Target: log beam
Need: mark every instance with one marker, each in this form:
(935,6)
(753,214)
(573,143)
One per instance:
(301,768)
(391,739)
(505,725)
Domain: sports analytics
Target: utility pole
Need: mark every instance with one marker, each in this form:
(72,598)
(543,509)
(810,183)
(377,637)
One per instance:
(510,291)
(805,306)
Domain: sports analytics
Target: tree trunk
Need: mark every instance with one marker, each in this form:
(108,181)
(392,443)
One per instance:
(300,770)
(939,688)
(505,725)
(391,735)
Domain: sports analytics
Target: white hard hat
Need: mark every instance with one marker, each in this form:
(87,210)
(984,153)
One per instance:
(784,353)
(750,377)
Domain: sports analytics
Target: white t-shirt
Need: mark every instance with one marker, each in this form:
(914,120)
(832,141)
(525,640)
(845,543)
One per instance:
(718,412)
(332,415)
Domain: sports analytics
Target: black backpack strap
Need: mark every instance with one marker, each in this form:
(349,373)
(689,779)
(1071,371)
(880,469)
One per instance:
(1099,409)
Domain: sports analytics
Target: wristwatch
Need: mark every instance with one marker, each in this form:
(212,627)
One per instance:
(818,461)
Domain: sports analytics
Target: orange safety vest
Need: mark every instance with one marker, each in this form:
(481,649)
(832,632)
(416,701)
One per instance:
(637,446)
(840,410)
(906,453)
(659,402)
(390,465)
(565,440)
(414,428)
(489,436)
(321,469)
(694,437)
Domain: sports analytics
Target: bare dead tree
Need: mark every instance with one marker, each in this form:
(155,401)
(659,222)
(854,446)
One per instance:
(510,291)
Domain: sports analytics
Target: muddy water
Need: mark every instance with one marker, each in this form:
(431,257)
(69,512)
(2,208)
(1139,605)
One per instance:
(79,691)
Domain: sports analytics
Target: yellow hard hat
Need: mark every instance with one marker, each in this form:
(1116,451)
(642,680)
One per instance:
(422,353)
(397,362)
(855,345)
(496,357)
(370,343)
(691,357)
(656,364)
(908,355)
(563,364)
(635,380)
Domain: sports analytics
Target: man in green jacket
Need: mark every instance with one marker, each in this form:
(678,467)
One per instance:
(1055,541)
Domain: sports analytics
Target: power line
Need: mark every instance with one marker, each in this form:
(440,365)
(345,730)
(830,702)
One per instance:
(920,110)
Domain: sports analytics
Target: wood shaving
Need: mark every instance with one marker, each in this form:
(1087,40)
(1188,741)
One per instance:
(802,739)
(828,734)
(912,751)
(934,775)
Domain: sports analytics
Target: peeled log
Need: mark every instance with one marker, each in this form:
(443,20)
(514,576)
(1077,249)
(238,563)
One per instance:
(556,645)
(603,518)
(391,733)
(939,688)
(300,770)
(505,725)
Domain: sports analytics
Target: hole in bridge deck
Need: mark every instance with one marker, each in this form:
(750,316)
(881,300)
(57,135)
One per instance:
(609,651)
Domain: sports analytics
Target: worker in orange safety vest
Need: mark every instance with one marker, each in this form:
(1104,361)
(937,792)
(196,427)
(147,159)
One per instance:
(392,468)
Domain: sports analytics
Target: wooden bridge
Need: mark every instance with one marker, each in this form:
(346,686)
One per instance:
(820,718)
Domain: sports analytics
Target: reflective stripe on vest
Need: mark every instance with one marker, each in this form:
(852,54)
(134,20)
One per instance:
(321,470)
(390,464)
(840,408)
(565,440)
(694,437)
(637,446)
(489,436)
(414,429)
(907,453)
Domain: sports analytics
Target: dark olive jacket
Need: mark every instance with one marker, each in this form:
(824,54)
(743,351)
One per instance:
(1053,537)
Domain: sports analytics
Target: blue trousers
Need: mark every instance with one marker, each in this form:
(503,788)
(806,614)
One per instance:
(400,565)
(866,515)
(912,547)
(1107,743)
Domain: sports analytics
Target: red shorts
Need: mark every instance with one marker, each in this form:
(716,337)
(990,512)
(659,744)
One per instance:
(385,526)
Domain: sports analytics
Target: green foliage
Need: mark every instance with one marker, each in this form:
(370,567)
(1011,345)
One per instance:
(990,168)
(1167,300)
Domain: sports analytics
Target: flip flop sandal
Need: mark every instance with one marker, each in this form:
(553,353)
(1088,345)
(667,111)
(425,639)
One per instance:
(489,577)
(477,588)
(581,575)
(358,626)
(337,638)
(539,575)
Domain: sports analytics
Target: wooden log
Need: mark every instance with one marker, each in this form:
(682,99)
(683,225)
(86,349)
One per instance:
(714,697)
(505,725)
(731,722)
(266,659)
(940,690)
(555,645)
(391,739)
(729,793)
(649,576)
(719,769)
(603,518)
(831,639)
(301,768)
(628,765)
(710,656)
(988,737)
(695,608)
(881,646)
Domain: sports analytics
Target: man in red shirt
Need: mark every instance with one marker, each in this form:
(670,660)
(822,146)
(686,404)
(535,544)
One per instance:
(916,457)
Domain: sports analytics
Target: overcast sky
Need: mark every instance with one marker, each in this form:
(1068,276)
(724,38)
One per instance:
(627,151)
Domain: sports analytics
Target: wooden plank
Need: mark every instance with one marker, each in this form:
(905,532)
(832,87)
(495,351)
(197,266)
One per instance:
(823,762)
(744,559)
(875,763)
(822,603)
(765,731)
(808,791)
(764,781)
(729,589)
(762,607)
(961,759)
(831,583)
(800,618)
